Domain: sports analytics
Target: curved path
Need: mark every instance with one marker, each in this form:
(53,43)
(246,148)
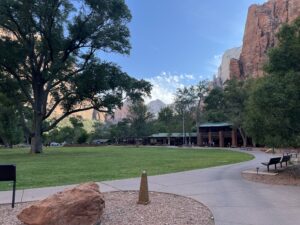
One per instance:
(232,200)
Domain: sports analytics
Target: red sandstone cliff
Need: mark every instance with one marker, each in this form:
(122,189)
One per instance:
(263,23)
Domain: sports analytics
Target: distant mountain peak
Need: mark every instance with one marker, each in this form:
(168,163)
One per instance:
(155,106)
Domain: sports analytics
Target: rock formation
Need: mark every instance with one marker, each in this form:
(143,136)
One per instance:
(119,114)
(91,114)
(224,68)
(82,205)
(155,106)
(263,23)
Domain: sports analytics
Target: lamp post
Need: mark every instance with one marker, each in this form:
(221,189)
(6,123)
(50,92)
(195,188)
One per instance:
(183,129)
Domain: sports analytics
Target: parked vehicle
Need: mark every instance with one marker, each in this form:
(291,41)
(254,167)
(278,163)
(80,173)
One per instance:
(55,144)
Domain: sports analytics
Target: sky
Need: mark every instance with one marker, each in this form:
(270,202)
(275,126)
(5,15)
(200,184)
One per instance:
(177,43)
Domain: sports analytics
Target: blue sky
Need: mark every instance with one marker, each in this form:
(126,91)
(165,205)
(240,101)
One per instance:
(179,42)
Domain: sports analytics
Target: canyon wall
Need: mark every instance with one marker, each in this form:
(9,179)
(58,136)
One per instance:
(263,23)
(224,68)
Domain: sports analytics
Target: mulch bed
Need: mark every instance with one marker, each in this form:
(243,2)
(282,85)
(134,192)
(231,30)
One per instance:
(121,209)
(286,176)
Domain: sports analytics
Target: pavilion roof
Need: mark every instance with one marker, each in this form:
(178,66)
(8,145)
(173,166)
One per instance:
(220,124)
(163,135)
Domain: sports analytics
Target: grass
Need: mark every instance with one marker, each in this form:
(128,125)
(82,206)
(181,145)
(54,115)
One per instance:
(60,166)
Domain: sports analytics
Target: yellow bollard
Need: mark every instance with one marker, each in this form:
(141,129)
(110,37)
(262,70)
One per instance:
(144,194)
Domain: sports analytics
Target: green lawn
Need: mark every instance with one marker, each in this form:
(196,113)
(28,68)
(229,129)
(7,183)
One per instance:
(58,166)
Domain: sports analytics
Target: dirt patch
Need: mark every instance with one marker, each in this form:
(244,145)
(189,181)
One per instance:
(286,176)
(121,209)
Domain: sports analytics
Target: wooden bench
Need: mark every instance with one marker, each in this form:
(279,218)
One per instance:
(292,154)
(273,161)
(285,159)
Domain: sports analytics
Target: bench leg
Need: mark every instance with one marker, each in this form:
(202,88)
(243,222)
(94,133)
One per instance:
(281,165)
(268,168)
(275,167)
(286,163)
(14,194)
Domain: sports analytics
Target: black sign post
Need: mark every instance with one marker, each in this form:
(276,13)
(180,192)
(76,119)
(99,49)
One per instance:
(8,173)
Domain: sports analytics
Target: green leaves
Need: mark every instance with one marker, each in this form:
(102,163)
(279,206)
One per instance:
(286,56)
(139,117)
(50,50)
(273,109)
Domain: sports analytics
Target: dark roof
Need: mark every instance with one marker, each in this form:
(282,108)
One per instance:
(222,124)
(163,135)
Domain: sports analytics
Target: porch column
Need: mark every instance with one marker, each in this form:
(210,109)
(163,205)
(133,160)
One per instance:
(209,138)
(221,138)
(200,139)
(233,138)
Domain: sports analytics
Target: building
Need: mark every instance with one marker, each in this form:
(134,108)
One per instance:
(219,135)
(210,135)
(172,139)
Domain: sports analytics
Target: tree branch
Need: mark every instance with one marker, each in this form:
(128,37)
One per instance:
(10,16)
(72,47)
(67,114)
(56,104)
(86,61)
(10,71)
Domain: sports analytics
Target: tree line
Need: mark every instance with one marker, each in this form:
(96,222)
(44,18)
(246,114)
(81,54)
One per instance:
(50,59)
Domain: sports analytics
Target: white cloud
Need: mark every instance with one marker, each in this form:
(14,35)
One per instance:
(190,76)
(166,84)
(217,60)
(213,64)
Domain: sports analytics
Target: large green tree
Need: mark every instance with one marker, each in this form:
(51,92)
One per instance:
(51,50)
(274,105)
(10,132)
(139,119)
(214,106)
(166,120)
(120,131)
(229,104)
(236,95)
(185,108)
(13,113)
(199,93)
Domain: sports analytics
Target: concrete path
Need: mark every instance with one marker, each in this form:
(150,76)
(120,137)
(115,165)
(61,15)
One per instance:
(232,200)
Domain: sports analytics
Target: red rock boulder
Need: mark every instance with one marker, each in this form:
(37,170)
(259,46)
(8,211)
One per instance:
(82,205)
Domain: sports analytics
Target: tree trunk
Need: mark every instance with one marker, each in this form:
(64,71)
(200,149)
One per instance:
(198,121)
(39,107)
(5,142)
(244,137)
(36,141)
(183,130)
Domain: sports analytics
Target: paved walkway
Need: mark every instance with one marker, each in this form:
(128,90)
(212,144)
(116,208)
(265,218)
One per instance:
(232,200)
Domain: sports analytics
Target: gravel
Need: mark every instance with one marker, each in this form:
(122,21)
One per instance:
(286,176)
(121,209)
